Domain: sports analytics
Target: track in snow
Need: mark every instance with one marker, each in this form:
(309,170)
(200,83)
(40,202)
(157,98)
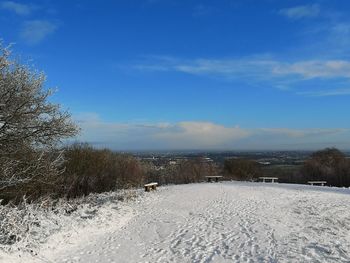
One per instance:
(226,222)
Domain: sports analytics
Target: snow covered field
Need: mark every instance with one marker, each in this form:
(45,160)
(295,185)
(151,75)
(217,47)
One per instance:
(217,222)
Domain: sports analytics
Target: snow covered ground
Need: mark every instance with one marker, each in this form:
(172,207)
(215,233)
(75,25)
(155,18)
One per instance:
(213,222)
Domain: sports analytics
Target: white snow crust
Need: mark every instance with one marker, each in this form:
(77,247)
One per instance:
(212,222)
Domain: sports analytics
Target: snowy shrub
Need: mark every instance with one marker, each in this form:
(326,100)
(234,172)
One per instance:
(90,170)
(23,227)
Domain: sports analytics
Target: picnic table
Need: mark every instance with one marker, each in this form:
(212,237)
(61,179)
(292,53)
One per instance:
(266,179)
(322,183)
(216,177)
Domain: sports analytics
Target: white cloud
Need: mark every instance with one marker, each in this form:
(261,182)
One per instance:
(189,135)
(302,11)
(35,31)
(18,8)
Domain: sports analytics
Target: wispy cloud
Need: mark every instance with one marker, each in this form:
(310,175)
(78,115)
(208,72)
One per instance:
(18,8)
(35,31)
(194,135)
(303,11)
(333,36)
(31,31)
(263,68)
(310,69)
(202,10)
(327,93)
(228,68)
(299,133)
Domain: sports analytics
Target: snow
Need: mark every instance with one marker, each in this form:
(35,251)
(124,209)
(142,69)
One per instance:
(211,222)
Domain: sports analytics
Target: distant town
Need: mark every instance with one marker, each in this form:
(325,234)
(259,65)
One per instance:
(262,157)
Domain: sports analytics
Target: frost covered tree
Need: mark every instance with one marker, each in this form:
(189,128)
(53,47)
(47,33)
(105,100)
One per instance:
(30,125)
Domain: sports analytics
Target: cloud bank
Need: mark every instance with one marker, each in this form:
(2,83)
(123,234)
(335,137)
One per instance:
(199,135)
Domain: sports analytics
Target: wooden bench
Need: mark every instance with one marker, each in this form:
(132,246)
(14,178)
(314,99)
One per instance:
(266,179)
(216,177)
(322,183)
(151,186)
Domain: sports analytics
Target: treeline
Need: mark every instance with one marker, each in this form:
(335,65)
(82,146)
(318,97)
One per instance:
(86,170)
(184,172)
(329,165)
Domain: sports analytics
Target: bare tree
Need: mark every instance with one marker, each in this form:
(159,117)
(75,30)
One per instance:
(30,125)
(329,164)
(242,169)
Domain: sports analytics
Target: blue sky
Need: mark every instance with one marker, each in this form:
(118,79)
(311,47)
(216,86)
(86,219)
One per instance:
(171,74)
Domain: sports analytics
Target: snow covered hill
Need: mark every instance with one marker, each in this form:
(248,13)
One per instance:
(217,222)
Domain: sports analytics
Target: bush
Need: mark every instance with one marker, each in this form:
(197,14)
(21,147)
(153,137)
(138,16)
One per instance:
(38,175)
(242,169)
(25,226)
(89,170)
(183,172)
(193,171)
(330,165)
(285,173)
